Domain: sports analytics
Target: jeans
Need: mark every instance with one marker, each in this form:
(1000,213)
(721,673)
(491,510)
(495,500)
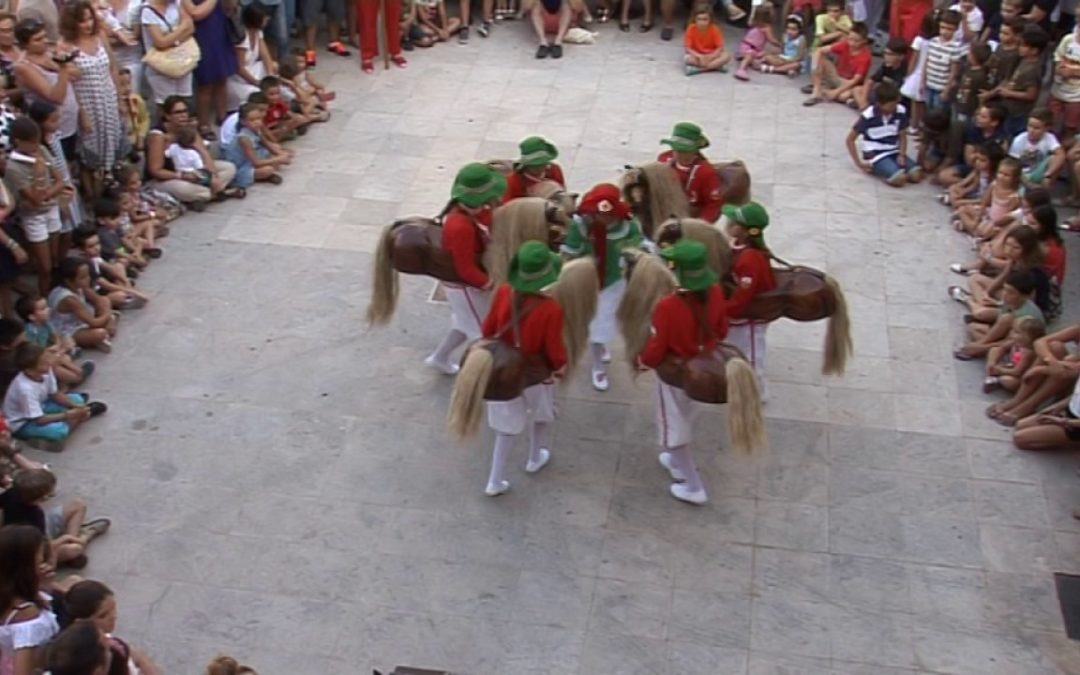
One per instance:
(53,431)
(889,168)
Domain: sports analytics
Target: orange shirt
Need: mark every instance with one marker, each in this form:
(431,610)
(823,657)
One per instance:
(704,42)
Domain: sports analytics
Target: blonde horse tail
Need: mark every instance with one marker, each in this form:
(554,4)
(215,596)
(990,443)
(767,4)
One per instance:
(577,292)
(467,399)
(838,345)
(651,280)
(746,427)
(384,287)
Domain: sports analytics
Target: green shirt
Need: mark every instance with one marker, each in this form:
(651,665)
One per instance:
(620,235)
(1029,308)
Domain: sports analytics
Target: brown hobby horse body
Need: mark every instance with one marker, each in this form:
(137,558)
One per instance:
(654,192)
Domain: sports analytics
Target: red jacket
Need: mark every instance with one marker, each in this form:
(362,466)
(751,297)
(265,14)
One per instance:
(675,327)
(466,240)
(750,264)
(517,183)
(702,185)
(541,327)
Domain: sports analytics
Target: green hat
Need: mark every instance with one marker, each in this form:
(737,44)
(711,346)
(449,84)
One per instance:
(478,184)
(691,260)
(536,151)
(534,268)
(750,215)
(686,137)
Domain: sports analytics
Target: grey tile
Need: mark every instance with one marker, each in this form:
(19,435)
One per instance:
(630,608)
(790,627)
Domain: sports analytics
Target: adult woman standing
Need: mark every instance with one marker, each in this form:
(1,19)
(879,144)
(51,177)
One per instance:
(45,78)
(217,65)
(174,116)
(27,621)
(99,104)
(121,18)
(165,25)
(9,53)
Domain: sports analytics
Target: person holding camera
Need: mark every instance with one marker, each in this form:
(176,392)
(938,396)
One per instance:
(47,75)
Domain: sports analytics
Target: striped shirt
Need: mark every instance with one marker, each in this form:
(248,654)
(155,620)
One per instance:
(940,58)
(881,134)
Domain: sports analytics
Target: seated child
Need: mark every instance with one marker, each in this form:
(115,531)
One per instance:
(790,58)
(110,280)
(1006,363)
(432,16)
(186,158)
(309,104)
(882,129)
(1040,153)
(12,458)
(831,26)
(836,81)
(78,311)
(306,81)
(114,245)
(34,405)
(280,121)
(893,69)
(147,221)
(934,144)
(65,525)
(413,33)
(253,159)
(972,187)
(704,43)
(1002,198)
(1017,302)
(144,233)
(34,311)
(752,49)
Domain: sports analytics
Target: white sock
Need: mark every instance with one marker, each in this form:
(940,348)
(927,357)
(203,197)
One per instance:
(539,439)
(504,443)
(596,351)
(684,460)
(452,341)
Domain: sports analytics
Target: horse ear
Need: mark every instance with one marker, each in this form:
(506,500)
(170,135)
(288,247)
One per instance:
(573,195)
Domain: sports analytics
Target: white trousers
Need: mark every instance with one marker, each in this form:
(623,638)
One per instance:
(510,417)
(604,328)
(749,336)
(468,307)
(675,413)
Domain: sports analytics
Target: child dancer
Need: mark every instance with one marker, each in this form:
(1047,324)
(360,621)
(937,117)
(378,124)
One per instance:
(753,276)
(752,48)
(704,44)
(602,228)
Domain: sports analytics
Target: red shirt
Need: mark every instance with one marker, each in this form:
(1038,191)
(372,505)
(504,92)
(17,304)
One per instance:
(1054,262)
(753,275)
(541,328)
(701,184)
(848,63)
(517,183)
(276,113)
(675,327)
(466,240)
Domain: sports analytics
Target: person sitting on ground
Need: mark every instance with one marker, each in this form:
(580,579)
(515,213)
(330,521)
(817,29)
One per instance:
(971,189)
(66,526)
(36,408)
(186,158)
(28,621)
(95,602)
(1058,426)
(108,279)
(789,60)
(1040,153)
(80,649)
(127,250)
(136,225)
(78,311)
(433,17)
(882,130)
(253,159)
(704,44)
(307,81)
(753,47)
(309,104)
(34,311)
(935,141)
(280,121)
(1001,198)
(1054,374)
(991,253)
(1016,303)
(537,11)
(836,81)
(1022,252)
(985,127)
(1007,362)
(893,69)
(227,665)
(12,458)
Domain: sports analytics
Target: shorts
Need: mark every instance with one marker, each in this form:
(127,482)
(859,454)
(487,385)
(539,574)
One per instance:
(934,99)
(54,521)
(830,79)
(551,6)
(38,226)
(1066,115)
(53,431)
(889,168)
(510,417)
(311,9)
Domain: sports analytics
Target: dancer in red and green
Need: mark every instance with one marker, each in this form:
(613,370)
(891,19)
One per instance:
(753,275)
(536,165)
(698,177)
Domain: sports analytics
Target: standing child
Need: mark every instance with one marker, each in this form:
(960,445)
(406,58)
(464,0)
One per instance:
(704,44)
(1019,92)
(912,88)
(790,59)
(971,21)
(753,275)
(1007,54)
(974,81)
(1002,198)
(133,110)
(1065,91)
(254,161)
(34,405)
(751,50)
(893,69)
(1010,11)
(942,71)
(1006,363)
(1040,153)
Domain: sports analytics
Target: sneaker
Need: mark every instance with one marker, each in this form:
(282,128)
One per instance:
(92,529)
(484,30)
(667,33)
(441,366)
(958,268)
(545,457)
(684,494)
(97,408)
(338,48)
(496,489)
(542,51)
(310,58)
(668,462)
(807,89)
(87,368)
(600,381)
(692,70)
(556,51)
(105,346)
(812,101)
(463,36)
(741,74)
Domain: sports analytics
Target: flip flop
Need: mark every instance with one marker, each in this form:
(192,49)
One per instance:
(961,355)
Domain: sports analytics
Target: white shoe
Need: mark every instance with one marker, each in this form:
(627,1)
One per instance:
(545,457)
(684,494)
(496,489)
(605,354)
(600,381)
(668,462)
(442,367)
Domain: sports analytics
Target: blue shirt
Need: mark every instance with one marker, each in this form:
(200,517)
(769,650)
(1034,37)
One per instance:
(880,134)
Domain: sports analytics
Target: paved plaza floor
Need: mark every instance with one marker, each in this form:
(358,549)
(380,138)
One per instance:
(283,489)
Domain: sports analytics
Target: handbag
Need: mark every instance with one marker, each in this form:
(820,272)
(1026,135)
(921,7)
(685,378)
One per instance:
(176,62)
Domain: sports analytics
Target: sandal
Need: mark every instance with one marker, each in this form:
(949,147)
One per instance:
(960,355)
(645,27)
(958,268)
(93,529)
(338,48)
(399,61)
(367,66)
(207,134)
(1007,419)
(274,179)
(624,26)
(993,410)
(234,193)
(958,294)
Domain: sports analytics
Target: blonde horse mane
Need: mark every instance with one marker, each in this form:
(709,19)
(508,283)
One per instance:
(666,197)
(384,285)
(577,292)
(467,399)
(650,281)
(719,250)
(555,193)
(515,223)
(838,345)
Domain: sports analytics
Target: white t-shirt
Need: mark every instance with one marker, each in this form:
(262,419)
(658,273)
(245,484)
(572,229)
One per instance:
(184,159)
(1066,89)
(25,398)
(1031,154)
(227,132)
(975,23)
(152,16)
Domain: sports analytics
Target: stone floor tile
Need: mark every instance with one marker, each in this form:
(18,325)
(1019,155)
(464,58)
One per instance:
(623,654)
(869,584)
(1018,549)
(790,627)
(630,608)
(898,451)
(792,525)
(874,637)
(799,575)
(1003,503)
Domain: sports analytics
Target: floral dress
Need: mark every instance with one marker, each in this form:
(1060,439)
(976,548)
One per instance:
(96,93)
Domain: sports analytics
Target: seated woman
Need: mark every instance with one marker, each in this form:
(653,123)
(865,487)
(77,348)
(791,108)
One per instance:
(185,187)
(1053,375)
(538,12)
